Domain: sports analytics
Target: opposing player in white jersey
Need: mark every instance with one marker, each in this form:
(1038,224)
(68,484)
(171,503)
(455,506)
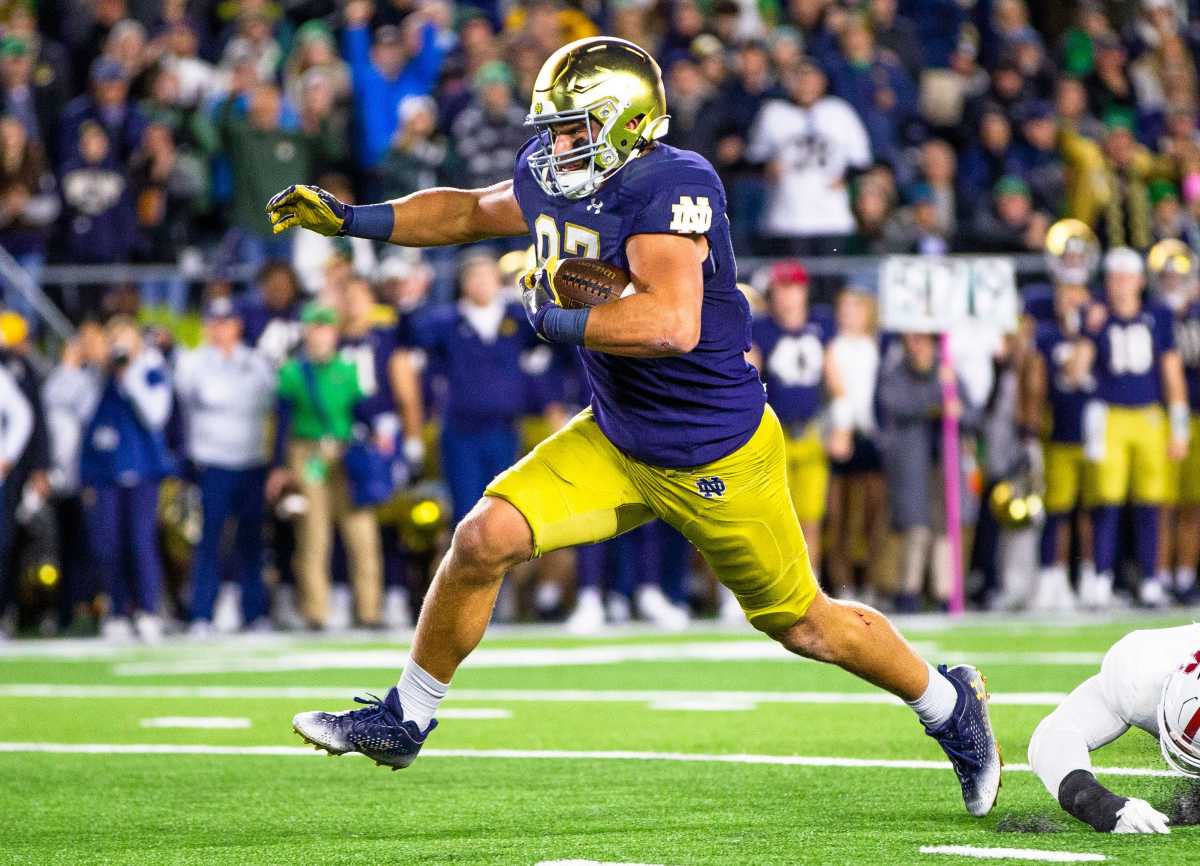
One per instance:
(1149,679)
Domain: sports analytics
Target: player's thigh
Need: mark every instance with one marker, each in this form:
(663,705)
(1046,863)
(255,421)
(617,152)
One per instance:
(573,488)
(1110,480)
(738,513)
(1150,466)
(808,475)
(1189,469)
(1065,467)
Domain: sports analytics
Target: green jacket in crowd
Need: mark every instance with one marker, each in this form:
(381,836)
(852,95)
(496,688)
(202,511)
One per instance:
(267,160)
(336,384)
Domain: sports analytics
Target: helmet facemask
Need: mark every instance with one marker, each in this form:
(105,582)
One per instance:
(578,172)
(1072,252)
(1173,274)
(1179,698)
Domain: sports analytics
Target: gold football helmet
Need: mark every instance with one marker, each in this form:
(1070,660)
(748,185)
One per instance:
(1173,274)
(616,90)
(1072,252)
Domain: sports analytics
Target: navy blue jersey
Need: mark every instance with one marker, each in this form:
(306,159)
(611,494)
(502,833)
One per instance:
(275,333)
(1067,401)
(1129,354)
(371,354)
(1187,339)
(1037,302)
(485,385)
(793,366)
(674,412)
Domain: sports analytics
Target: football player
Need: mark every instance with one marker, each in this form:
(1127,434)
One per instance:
(389,413)
(1174,279)
(1072,254)
(1150,680)
(1053,405)
(678,427)
(789,350)
(1129,346)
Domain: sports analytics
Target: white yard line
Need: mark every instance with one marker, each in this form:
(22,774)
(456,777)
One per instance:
(473,713)
(548,657)
(1032,854)
(222,722)
(586,863)
(52,690)
(701,705)
(544,754)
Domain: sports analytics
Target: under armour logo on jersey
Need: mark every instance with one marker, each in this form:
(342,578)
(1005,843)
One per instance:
(710,487)
(692,217)
(594,206)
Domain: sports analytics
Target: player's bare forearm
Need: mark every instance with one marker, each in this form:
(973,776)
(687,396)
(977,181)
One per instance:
(644,325)
(406,390)
(662,318)
(443,215)
(1079,365)
(1174,383)
(1032,393)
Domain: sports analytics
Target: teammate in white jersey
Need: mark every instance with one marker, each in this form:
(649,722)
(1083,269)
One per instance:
(1150,680)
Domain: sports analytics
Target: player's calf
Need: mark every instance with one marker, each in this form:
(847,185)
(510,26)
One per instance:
(952,704)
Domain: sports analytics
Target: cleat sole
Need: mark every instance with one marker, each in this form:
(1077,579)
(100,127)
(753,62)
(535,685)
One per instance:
(317,747)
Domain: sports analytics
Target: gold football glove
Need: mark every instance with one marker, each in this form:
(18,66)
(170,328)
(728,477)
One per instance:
(308,206)
(538,294)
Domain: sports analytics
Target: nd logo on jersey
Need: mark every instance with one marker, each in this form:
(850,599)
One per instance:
(691,216)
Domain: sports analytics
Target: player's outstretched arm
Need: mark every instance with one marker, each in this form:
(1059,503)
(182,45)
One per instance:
(429,218)
(1059,753)
(1175,393)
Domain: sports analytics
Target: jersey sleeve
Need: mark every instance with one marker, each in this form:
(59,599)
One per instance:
(1164,330)
(856,143)
(1082,723)
(426,329)
(764,134)
(1043,340)
(288,387)
(521,172)
(681,197)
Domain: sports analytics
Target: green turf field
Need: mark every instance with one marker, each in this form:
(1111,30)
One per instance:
(632,748)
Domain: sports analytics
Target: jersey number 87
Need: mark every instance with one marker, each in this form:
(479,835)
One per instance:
(575,241)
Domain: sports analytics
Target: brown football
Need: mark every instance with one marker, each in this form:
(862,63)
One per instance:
(588,283)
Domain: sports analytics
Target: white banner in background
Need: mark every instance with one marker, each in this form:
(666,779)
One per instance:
(934,294)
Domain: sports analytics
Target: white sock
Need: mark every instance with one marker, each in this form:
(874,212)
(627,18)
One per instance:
(420,694)
(1185,578)
(936,705)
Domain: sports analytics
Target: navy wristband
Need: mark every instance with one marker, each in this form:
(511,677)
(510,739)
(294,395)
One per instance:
(565,326)
(371,221)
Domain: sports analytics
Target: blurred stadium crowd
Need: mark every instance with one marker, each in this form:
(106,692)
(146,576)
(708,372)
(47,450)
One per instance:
(337,384)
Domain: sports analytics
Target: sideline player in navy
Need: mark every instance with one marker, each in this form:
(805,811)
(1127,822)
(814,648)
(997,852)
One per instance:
(678,427)
(1053,404)
(1128,345)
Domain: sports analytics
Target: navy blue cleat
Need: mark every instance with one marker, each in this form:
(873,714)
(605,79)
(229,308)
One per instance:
(967,740)
(377,730)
